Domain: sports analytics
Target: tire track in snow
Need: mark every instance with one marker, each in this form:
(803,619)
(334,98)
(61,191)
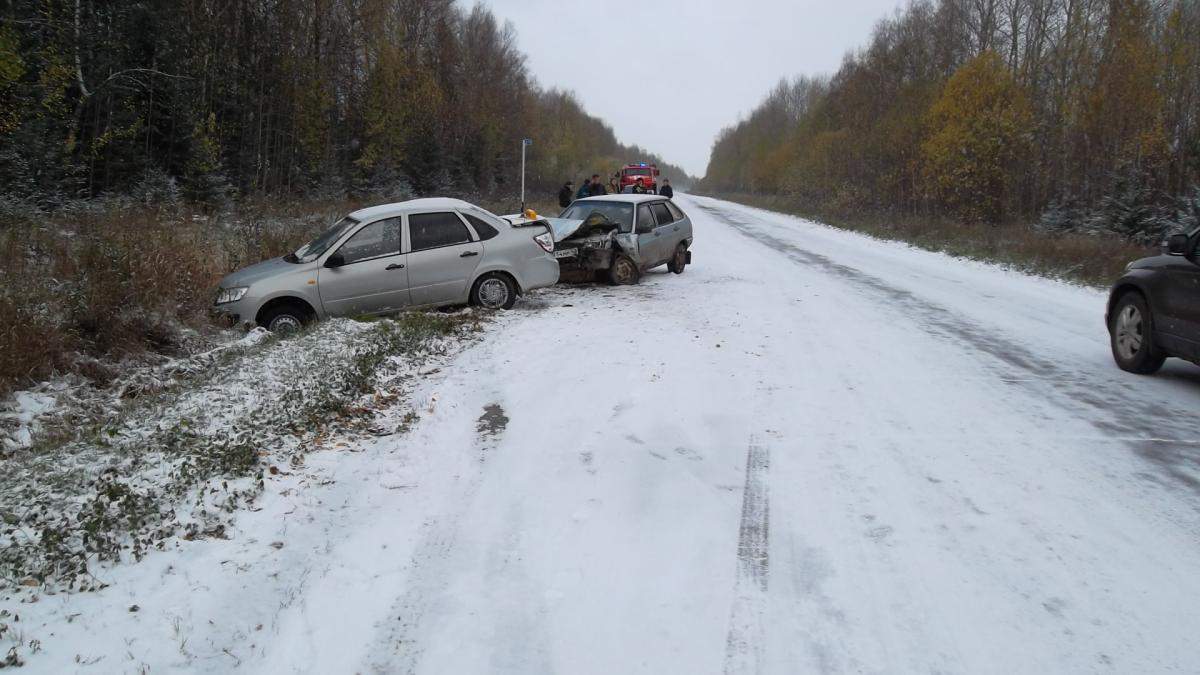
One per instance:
(1119,409)
(399,648)
(745,646)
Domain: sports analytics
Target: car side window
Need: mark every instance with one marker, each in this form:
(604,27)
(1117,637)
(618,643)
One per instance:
(674,210)
(381,238)
(484,230)
(435,230)
(661,213)
(645,217)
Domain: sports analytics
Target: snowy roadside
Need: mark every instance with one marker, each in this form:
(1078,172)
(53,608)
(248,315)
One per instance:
(180,449)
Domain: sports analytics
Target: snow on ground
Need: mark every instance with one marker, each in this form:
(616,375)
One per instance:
(812,452)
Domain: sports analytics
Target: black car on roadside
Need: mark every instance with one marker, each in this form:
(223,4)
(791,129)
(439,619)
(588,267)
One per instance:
(1154,308)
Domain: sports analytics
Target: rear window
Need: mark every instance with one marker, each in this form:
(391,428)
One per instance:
(675,211)
(661,213)
(434,230)
(485,231)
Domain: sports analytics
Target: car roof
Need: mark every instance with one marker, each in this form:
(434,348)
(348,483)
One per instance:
(624,198)
(398,208)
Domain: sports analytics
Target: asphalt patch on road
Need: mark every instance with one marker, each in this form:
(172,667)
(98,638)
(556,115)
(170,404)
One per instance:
(493,421)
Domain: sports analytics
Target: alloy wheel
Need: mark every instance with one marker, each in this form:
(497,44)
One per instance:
(1130,332)
(493,293)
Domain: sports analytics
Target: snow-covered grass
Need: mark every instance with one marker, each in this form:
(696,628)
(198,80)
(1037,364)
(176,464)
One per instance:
(173,451)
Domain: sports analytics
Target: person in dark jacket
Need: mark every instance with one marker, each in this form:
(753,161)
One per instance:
(597,188)
(666,190)
(566,193)
(585,190)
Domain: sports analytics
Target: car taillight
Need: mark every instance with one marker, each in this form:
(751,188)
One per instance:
(546,241)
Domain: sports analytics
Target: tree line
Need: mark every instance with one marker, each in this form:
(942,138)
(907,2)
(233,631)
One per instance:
(213,99)
(1077,115)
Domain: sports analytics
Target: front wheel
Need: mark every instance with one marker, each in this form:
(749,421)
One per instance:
(624,271)
(285,319)
(1133,345)
(494,291)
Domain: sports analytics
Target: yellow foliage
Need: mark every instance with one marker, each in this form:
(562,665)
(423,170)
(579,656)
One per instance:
(978,128)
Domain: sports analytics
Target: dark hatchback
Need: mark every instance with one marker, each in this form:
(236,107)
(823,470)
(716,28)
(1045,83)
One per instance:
(1154,309)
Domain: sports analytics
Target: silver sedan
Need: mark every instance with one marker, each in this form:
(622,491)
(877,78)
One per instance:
(420,253)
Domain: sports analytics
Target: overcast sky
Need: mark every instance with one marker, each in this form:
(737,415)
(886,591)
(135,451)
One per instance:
(713,60)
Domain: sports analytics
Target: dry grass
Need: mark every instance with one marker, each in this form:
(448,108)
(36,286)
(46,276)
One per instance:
(82,291)
(1094,261)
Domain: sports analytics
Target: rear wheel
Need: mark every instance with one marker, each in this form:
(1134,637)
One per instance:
(494,291)
(1133,345)
(624,271)
(679,260)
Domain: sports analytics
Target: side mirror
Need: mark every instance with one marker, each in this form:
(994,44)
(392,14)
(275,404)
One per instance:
(335,260)
(643,228)
(1177,244)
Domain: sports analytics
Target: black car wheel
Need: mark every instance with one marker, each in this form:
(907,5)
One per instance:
(624,271)
(285,319)
(1133,345)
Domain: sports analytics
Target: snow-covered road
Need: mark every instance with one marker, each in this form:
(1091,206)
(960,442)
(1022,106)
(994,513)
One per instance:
(812,452)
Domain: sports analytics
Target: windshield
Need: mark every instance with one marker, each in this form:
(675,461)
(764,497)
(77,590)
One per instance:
(637,172)
(617,212)
(313,249)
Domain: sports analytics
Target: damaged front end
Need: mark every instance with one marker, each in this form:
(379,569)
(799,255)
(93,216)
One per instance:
(587,248)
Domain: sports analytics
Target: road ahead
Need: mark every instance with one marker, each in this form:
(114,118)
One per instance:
(812,452)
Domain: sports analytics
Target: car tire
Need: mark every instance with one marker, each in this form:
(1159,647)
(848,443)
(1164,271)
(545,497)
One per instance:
(678,261)
(494,291)
(1132,336)
(285,320)
(623,272)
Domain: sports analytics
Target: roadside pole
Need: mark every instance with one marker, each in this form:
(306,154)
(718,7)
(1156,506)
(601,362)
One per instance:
(525,143)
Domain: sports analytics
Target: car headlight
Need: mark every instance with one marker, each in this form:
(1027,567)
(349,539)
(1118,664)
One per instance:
(228,295)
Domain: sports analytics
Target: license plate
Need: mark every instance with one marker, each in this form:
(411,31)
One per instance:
(566,253)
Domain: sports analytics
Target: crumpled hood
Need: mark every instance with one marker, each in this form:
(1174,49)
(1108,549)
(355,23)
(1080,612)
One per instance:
(247,276)
(563,228)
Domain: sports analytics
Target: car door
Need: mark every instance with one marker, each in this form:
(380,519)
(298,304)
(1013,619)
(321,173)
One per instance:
(442,257)
(650,243)
(667,229)
(1179,306)
(372,277)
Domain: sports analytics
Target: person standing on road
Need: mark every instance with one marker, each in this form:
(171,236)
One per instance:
(585,190)
(614,184)
(566,193)
(597,189)
(666,190)
(639,188)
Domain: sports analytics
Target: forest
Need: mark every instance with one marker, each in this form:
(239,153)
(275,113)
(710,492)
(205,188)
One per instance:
(1066,116)
(149,147)
(211,100)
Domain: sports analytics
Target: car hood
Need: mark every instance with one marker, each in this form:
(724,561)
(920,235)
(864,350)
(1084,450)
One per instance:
(1146,263)
(248,276)
(563,228)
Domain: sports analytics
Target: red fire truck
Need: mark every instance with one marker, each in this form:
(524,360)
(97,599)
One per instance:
(643,173)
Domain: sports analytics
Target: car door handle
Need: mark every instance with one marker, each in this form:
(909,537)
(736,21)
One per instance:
(397,266)
(468,254)
(657,233)
(676,228)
